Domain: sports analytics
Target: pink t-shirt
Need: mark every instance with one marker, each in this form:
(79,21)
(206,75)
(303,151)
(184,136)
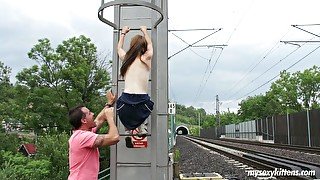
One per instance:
(83,159)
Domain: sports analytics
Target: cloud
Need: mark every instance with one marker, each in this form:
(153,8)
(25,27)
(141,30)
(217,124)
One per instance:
(252,30)
(28,21)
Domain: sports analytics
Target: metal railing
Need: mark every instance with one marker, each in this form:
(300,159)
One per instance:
(128,3)
(103,171)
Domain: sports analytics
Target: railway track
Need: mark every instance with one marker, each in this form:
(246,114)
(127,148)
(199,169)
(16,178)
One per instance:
(263,161)
(310,150)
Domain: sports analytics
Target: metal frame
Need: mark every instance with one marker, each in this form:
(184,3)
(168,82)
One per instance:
(151,162)
(127,3)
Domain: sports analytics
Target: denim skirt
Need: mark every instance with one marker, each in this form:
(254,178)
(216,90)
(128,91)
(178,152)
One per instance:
(134,109)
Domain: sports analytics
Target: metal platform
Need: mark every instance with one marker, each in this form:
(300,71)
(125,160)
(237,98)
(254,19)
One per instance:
(200,176)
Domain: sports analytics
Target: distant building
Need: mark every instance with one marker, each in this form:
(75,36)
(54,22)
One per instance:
(12,126)
(28,149)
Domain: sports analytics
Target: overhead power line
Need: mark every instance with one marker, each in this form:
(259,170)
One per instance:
(194,43)
(297,26)
(191,29)
(275,65)
(197,46)
(209,61)
(279,74)
(247,73)
(263,73)
(286,42)
(201,87)
(306,25)
(190,46)
(299,42)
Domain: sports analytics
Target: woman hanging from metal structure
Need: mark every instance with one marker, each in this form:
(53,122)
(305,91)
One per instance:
(134,105)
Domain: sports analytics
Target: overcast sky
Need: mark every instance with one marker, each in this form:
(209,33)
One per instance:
(251,29)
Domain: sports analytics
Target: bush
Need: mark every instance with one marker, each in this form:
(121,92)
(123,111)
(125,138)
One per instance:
(10,142)
(54,148)
(19,167)
(176,155)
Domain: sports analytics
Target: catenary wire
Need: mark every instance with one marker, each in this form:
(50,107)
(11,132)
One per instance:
(279,74)
(299,46)
(219,56)
(275,47)
(209,60)
(190,47)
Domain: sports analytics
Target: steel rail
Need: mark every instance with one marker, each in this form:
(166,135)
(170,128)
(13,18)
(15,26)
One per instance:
(265,160)
(310,150)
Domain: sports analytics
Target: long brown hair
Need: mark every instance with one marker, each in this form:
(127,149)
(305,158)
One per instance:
(138,47)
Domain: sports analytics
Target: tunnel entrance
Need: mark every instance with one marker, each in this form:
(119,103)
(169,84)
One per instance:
(182,130)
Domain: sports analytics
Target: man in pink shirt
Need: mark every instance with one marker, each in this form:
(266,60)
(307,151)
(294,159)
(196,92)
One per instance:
(84,142)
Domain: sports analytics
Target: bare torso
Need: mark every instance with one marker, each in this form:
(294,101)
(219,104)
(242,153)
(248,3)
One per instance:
(137,77)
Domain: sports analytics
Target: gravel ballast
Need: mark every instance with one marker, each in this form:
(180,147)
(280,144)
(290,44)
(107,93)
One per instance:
(195,159)
(313,158)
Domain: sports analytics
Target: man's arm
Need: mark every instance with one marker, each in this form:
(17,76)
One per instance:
(121,52)
(100,118)
(112,137)
(147,56)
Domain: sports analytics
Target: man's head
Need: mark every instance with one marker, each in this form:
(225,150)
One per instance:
(81,117)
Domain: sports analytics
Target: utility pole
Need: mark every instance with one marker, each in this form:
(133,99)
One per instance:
(218,132)
(199,121)
(217,109)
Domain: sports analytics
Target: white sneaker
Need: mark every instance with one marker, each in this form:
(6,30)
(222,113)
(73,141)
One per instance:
(143,129)
(127,132)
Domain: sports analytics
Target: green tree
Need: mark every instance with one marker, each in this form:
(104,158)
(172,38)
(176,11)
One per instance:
(273,105)
(290,93)
(208,121)
(253,108)
(63,77)
(5,72)
(285,91)
(308,87)
(229,118)
(7,92)
(189,115)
